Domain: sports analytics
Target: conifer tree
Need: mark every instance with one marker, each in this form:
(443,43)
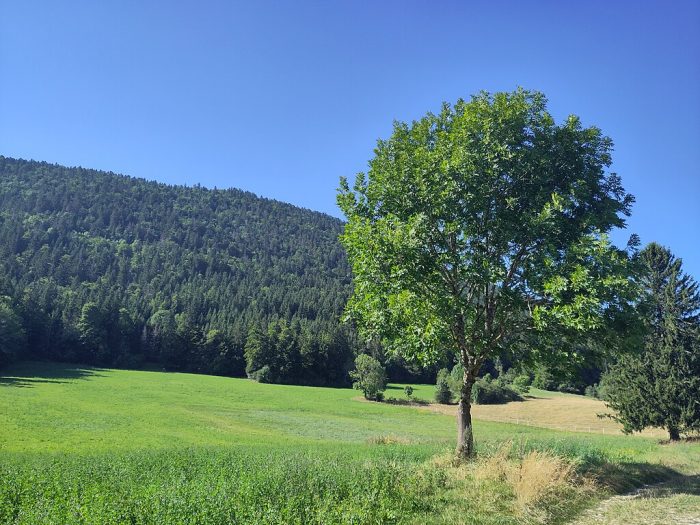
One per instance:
(660,387)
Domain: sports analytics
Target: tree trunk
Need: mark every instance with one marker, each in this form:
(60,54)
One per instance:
(673,434)
(465,434)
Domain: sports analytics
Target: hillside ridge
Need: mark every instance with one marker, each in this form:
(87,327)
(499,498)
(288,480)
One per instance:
(116,270)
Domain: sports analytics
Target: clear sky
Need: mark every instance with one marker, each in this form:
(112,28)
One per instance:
(282,98)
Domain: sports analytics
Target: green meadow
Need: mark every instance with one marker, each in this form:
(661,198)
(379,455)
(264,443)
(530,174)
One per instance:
(87,445)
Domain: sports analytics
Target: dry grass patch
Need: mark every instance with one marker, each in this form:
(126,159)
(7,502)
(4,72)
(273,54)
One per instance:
(532,477)
(539,475)
(533,487)
(562,412)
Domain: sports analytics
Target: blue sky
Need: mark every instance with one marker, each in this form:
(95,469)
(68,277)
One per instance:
(282,98)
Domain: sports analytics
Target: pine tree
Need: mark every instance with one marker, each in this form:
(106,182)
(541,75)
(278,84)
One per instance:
(660,387)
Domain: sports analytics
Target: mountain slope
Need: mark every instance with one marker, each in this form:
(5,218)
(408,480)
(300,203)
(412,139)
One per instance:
(115,270)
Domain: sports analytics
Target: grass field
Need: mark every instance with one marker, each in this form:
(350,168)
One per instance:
(544,409)
(83,445)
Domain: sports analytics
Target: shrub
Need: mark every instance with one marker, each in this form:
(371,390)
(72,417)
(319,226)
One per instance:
(263,375)
(455,380)
(443,393)
(369,376)
(544,379)
(488,392)
(569,387)
(599,390)
(408,390)
(521,383)
(591,391)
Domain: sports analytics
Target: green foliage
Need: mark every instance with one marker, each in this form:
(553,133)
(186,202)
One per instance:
(482,224)
(262,375)
(661,385)
(111,270)
(408,390)
(12,337)
(522,383)
(443,392)
(592,391)
(543,378)
(369,376)
(487,391)
(456,380)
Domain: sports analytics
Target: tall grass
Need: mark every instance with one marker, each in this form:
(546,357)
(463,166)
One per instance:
(119,447)
(210,487)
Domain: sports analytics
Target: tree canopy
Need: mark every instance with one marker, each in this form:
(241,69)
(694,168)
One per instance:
(481,224)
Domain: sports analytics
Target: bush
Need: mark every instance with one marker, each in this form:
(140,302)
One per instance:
(522,383)
(598,391)
(369,376)
(263,375)
(488,392)
(443,393)
(569,387)
(544,379)
(455,380)
(408,390)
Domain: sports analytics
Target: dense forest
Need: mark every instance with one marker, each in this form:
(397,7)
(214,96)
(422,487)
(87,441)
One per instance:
(111,270)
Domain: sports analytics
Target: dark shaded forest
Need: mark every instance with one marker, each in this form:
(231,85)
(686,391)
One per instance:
(111,270)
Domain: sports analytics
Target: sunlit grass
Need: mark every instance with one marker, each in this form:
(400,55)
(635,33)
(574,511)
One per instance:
(84,445)
(541,408)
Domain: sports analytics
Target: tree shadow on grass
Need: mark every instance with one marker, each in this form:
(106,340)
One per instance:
(631,481)
(29,374)
(646,479)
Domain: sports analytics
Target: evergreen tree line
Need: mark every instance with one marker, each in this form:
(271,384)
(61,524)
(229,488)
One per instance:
(110,270)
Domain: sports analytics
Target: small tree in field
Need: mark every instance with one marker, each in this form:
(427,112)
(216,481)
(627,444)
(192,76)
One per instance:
(369,376)
(443,394)
(660,387)
(479,226)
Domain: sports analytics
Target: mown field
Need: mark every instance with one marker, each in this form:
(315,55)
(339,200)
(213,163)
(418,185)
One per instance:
(83,445)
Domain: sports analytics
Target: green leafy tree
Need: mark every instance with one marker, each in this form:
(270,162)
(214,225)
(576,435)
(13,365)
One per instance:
(478,225)
(443,392)
(369,376)
(91,329)
(12,336)
(258,351)
(660,387)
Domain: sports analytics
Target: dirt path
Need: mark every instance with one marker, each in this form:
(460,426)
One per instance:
(675,502)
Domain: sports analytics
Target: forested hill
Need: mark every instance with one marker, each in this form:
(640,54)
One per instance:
(111,270)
